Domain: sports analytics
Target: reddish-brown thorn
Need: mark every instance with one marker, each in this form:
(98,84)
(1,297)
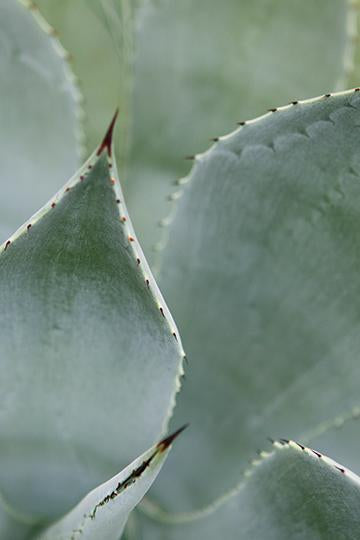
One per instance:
(162,311)
(357,90)
(131,239)
(81,178)
(106,143)
(113,181)
(29,226)
(53,205)
(123,219)
(175,336)
(165,443)
(67,189)
(7,245)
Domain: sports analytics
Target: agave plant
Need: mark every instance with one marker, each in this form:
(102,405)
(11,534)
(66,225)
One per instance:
(259,264)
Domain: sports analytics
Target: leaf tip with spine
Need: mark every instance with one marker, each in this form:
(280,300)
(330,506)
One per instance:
(107,140)
(165,443)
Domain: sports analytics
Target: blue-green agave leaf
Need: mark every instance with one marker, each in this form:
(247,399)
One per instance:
(261,272)
(292,493)
(103,513)
(189,70)
(90,356)
(39,114)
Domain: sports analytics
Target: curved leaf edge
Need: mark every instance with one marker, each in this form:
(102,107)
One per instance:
(135,248)
(156,513)
(197,158)
(82,517)
(66,58)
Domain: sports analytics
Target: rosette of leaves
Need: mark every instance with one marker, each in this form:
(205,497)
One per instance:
(260,269)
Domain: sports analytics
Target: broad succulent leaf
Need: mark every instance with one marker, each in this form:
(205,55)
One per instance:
(104,511)
(261,272)
(224,61)
(272,49)
(293,493)
(90,356)
(38,96)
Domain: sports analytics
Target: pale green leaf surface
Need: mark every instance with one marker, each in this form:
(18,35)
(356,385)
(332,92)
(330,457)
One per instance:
(199,66)
(261,272)
(103,513)
(38,115)
(94,61)
(88,358)
(291,494)
(12,527)
(339,437)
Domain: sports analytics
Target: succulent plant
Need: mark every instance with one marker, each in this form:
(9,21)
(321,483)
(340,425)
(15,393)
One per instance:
(258,262)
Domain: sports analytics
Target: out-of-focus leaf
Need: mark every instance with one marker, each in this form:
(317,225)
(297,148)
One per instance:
(106,58)
(90,355)
(291,494)
(39,114)
(13,526)
(103,513)
(261,272)
(198,67)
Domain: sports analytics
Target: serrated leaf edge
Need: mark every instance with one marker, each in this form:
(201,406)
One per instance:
(65,56)
(156,513)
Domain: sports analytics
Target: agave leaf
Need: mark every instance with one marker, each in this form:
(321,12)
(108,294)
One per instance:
(185,89)
(223,61)
(290,494)
(104,511)
(261,271)
(12,525)
(339,436)
(89,352)
(106,58)
(33,165)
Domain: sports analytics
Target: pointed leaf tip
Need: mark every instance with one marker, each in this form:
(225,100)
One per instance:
(107,140)
(165,443)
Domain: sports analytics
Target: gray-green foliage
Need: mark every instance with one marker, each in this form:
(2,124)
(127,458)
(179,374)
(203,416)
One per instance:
(173,95)
(38,91)
(259,267)
(278,259)
(292,492)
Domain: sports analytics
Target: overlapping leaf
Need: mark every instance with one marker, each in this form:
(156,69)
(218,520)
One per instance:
(293,493)
(104,511)
(261,272)
(39,114)
(197,68)
(90,356)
